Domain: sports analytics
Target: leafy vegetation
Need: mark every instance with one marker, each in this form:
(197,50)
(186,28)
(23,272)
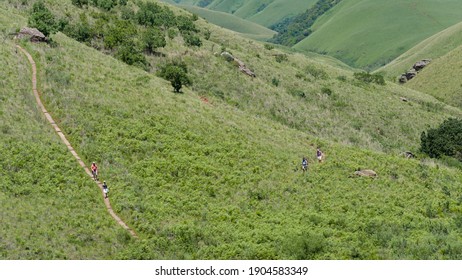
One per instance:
(370,78)
(292,31)
(42,19)
(446,140)
(176,73)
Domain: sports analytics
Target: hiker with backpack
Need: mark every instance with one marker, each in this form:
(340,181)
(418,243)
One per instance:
(304,164)
(105,189)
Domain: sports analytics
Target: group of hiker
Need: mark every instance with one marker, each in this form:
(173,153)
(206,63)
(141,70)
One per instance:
(319,156)
(94,172)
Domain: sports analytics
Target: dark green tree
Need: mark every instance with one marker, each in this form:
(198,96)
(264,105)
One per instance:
(177,74)
(153,38)
(446,140)
(42,19)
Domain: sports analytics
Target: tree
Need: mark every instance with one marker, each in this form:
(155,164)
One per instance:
(42,19)
(177,74)
(446,140)
(153,38)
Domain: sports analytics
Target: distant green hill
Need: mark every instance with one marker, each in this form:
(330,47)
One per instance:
(440,78)
(232,22)
(262,12)
(214,172)
(369,34)
(431,48)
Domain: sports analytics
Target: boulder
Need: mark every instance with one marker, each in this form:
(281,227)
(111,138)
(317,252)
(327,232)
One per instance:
(366,173)
(33,34)
(419,65)
(230,58)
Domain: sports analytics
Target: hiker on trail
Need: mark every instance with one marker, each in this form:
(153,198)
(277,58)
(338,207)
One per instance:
(105,189)
(94,171)
(304,164)
(319,155)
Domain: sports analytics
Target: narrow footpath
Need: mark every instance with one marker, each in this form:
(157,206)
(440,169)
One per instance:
(71,149)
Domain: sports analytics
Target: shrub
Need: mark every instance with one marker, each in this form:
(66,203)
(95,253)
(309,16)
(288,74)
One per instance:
(281,57)
(269,46)
(369,78)
(42,19)
(275,81)
(316,72)
(177,73)
(446,140)
(153,38)
(79,3)
(129,54)
(192,40)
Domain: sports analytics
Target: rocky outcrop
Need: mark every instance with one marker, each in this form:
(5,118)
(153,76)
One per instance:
(33,34)
(411,73)
(230,58)
(366,173)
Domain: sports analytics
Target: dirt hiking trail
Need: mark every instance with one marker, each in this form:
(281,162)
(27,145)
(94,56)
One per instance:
(71,149)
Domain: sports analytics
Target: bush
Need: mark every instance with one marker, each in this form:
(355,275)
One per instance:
(446,140)
(153,38)
(176,73)
(192,40)
(281,57)
(42,19)
(369,78)
(129,54)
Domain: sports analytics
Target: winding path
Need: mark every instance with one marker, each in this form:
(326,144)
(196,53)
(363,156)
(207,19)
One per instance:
(71,149)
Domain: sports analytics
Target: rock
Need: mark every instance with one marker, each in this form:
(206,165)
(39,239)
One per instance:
(33,34)
(408,154)
(404,99)
(366,173)
(411,73)
(230,58)
(419,65)
(402,78)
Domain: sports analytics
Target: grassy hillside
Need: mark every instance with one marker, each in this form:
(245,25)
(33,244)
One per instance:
(369,34)
(213,173)
(232,22)
(440,78)
(262,12)
(434,47)
(49,208)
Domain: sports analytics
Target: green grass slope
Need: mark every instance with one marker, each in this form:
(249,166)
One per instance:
(214,173)
(262,12)
(369,34)
(440,78)
(434,47)
(208,181)
(49,208)
(232,22)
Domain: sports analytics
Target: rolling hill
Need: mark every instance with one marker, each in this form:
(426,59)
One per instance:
(214,172)
(232,22)
(434,47)
(262,12)
(384,29)
(440,78)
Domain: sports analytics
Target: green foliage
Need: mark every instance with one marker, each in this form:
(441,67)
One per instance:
(153,38)
(369,78)
(192,40)
(446,140)
(316,72)
(152,14)
(281,58)
(130,54)
(177,73)
(42,19)
(275,81)
(122,32)
(79,3)
(292,31)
